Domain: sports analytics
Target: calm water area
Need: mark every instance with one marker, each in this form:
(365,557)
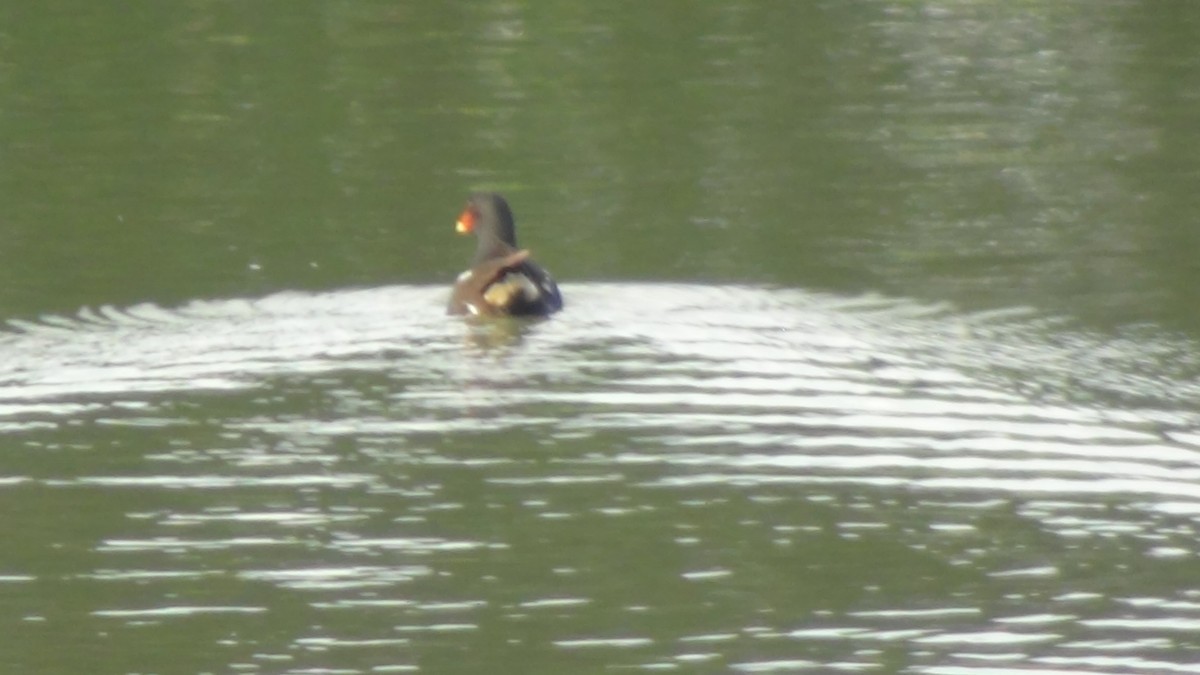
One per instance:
(880,351)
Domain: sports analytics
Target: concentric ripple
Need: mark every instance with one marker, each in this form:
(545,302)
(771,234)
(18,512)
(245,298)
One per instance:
(752,479)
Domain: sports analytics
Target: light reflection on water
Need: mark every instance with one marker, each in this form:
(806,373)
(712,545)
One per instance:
(662,475)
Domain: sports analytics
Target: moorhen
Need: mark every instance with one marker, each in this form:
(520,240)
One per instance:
(502,281)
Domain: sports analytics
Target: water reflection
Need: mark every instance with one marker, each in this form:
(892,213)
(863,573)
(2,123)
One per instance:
(750,478)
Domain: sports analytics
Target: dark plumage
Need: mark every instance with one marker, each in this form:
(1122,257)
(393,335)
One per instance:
(502,281)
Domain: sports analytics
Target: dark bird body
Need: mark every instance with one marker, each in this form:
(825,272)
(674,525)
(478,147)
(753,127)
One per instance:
(502,280)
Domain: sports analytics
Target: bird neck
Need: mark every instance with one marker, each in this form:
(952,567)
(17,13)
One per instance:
(491,246)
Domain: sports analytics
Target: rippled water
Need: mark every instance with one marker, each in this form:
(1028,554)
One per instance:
(661,477)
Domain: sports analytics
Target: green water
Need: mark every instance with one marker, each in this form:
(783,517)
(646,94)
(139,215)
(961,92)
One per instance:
(985,154)
(879,352)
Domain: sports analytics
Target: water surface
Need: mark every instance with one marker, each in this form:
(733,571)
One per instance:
(755,479)
(879,352)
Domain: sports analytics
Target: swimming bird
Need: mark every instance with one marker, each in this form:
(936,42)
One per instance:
(502,280)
